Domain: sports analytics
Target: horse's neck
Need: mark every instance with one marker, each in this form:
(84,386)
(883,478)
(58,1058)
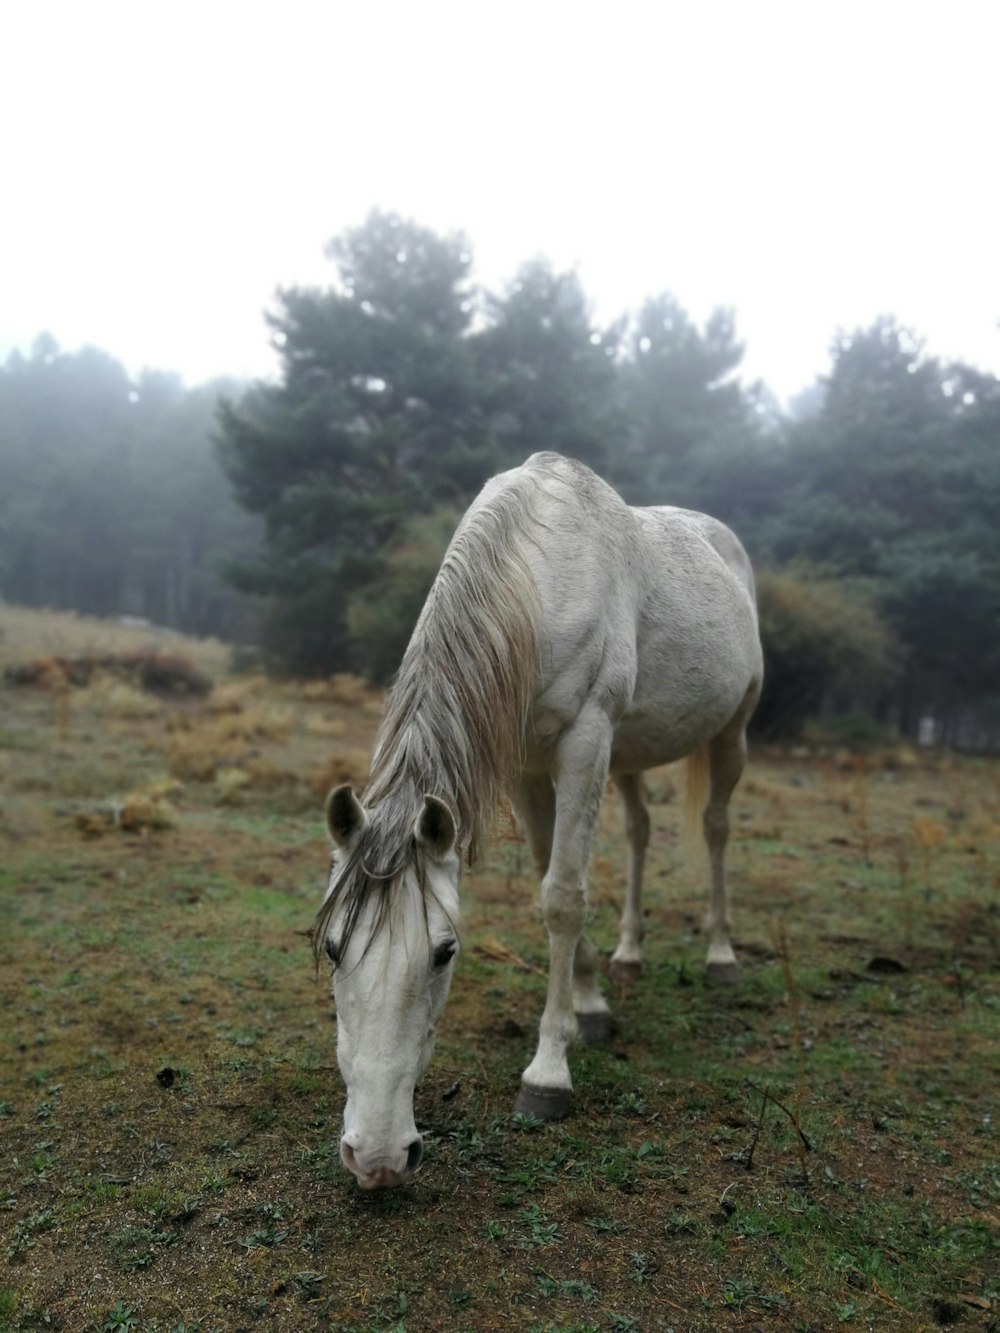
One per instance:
(454,721)
(426,751)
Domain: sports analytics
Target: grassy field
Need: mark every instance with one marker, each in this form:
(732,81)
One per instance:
(815,1150)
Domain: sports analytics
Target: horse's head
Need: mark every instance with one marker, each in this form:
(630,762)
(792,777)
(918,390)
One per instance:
(392,939)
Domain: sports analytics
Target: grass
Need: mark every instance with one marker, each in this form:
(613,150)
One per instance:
(169,1101)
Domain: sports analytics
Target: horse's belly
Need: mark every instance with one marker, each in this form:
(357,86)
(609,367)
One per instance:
(642,741)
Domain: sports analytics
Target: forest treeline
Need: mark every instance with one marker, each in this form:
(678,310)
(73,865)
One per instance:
(322,502)
(112,500)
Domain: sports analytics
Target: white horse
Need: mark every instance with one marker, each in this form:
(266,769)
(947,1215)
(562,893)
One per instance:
(567,637)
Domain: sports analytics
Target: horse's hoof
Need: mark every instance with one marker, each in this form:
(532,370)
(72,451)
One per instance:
(544,1103)
(722,974)
(595,1028)
(625,972)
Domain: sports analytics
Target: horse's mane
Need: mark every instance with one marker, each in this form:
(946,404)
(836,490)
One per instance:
(455,718)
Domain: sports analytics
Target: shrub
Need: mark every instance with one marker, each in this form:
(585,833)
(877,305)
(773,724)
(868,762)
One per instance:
(818,636)
(148,669)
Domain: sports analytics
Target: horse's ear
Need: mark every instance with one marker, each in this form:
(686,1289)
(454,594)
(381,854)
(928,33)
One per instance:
(435,827)
(345,817)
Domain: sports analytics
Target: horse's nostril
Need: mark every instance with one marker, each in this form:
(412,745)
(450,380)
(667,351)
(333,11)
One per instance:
(413,1154)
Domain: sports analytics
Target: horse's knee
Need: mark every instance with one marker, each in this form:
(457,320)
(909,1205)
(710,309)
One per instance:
(562,907)
(715,822)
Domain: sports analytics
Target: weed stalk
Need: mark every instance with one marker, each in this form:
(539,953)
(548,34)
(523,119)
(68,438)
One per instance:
(862,820)
(801,1141)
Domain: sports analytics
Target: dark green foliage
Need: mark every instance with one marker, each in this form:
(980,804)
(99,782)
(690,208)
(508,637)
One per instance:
(690,421)
(895,482)
(393,404)
(382,613)
(376,418)
(818,637)
(549,375)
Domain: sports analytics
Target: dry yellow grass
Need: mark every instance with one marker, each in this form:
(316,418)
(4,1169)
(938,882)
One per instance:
(109,697)
(26,633)
(233,696)
(343,766)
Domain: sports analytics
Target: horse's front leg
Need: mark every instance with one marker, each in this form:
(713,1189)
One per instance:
(581,773)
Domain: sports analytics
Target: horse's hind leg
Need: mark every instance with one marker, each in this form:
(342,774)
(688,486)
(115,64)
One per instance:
(593,1016)
(726,759)
(626,961)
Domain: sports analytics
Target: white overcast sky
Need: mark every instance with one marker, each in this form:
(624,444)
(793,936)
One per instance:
(167,166)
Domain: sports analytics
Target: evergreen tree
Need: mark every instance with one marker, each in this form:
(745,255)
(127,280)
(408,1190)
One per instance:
(548,371)
(694,436)
(894,486)
(376,417)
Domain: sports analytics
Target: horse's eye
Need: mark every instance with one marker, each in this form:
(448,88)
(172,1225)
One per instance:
(444,953)
(332,953)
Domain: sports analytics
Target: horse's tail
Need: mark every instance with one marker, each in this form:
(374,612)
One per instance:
(696,779)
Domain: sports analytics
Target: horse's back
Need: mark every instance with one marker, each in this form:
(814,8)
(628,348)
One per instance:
(648,614)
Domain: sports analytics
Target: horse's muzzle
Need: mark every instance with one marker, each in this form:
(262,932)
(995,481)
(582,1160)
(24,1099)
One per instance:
(382,1177)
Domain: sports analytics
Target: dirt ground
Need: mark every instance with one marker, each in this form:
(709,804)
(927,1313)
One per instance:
(814,1149)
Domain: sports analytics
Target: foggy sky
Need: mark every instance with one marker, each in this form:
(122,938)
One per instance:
(168,167)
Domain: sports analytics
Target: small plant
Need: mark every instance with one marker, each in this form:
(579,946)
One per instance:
(310,1284)
(860,765)
(118,1317)
(928,834)
(26,1231)
(737,1292)
(643,1268)
(271,1232)
(526,1122)
(540,1231)
(571,1289)
(134,1248)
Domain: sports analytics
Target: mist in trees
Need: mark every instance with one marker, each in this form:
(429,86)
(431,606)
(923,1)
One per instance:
(893,488)
(871,508)
(111,500)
